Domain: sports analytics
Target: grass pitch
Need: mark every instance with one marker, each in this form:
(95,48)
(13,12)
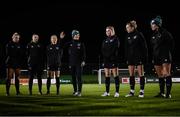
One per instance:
(91,102)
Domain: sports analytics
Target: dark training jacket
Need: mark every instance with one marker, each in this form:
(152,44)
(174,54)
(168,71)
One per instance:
(136,46)
(35,53)
(162,44)
(77,52)
(14,54)
(54,55)
(110,49)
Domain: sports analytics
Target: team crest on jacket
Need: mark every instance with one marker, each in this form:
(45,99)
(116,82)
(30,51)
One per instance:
(140,62)
(153,37)
(78,44)
(111,40)
(135,37)
(50,48)
(57,48)
(129,38)
(159,35)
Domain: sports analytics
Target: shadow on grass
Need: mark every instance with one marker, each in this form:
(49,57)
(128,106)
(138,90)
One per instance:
(80,110)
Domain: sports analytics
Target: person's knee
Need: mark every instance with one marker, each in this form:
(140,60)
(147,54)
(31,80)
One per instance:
(141,74)
(114,71)
(17,75)
(57,74)
(107,74)
(115,74)
(51,74)
(160,75)
(165,74)
(17,71)
(159,72)
(131,73)
(10,76)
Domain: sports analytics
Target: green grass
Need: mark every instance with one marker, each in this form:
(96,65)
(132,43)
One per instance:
(91,103)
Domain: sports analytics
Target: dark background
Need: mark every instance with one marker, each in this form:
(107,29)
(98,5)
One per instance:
(51,17)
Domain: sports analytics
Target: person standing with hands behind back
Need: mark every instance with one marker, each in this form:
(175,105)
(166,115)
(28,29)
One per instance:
(14,53)
(110,51)
(35,53)
(162,46)
(54,55)
(136,55)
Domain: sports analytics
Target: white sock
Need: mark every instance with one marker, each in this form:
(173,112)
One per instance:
(132,91)
(141,91)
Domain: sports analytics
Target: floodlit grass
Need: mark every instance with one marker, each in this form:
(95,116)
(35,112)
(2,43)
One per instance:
(91,103)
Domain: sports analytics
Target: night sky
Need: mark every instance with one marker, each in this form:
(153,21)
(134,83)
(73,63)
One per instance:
(91,19)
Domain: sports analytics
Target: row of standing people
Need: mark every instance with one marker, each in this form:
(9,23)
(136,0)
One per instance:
(136,52)
(36,58)
(136,55)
